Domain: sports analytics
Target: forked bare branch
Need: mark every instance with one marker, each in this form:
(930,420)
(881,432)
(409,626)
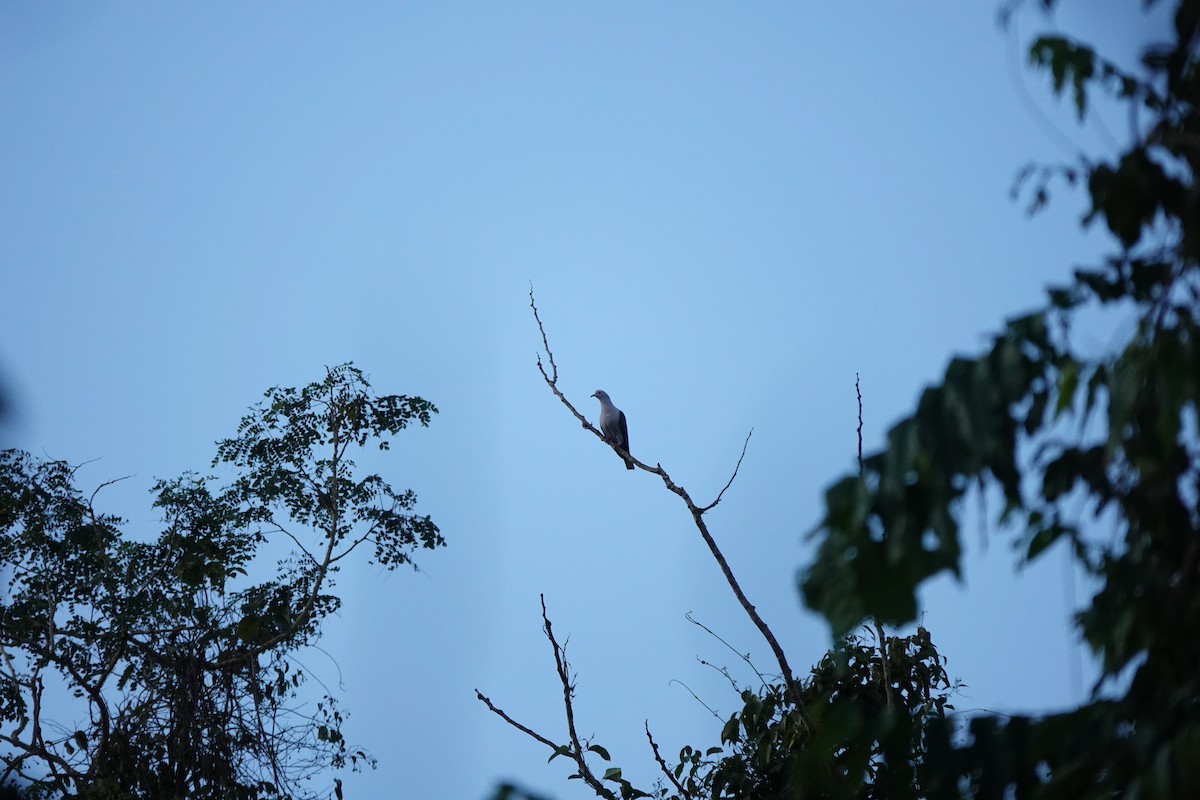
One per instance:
(573,749)
(696,511)
(736,467)
(743,656)
(500,713)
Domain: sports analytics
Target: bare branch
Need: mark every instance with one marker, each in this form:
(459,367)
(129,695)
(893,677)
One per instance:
(553,377)
(527,731)
(574,750)
(552,381)
(724,672)
(696,511)
(560,661)
(696,697)
(663,766)
(736,467)
(858,393)
(92,499)
(743,656)
(697,517)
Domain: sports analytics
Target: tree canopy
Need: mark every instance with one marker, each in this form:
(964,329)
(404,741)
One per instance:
(1071,439)
(181,664)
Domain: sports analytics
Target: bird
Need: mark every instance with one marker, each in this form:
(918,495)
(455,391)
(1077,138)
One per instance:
(612,424)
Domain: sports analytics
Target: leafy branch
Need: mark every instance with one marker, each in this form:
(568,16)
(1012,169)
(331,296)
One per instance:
(185,675)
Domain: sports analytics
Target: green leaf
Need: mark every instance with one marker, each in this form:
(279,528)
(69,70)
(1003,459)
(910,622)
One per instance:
(600,751)
(612,774)
(730,732)
(1068,381)
(1043,539)
(561,750)
(249,627)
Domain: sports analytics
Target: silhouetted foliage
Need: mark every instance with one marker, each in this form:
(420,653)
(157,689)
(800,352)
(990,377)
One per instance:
(181,668)
(1058,430)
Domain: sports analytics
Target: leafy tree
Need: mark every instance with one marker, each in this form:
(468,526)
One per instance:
(184,670)
(1069,439)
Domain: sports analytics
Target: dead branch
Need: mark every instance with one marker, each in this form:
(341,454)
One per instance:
(858,394)
(736,467)
(551,379)
(500,713)
(560,661)
(696,511)
(574,750)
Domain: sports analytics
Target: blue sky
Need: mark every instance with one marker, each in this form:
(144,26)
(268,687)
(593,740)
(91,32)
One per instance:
(727,212)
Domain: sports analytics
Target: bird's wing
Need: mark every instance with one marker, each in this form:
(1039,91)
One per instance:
(606,424)
(625,440)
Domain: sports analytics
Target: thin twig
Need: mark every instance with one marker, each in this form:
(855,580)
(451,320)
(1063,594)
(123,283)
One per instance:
(552,381)
(500,713)
(723,672)
(560,661)
(92,499)
(784,670)
(545,343)
(880,637)
(858,393)
(743,656)
(573,750)
(663,765)
(736,467)
(695,696)
(696,511)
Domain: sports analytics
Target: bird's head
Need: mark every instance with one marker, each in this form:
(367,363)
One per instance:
(600,395)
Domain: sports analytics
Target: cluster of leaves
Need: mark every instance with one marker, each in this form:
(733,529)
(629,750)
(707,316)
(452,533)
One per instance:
(183,670)
(862,702)
(1069,438)
(857,730)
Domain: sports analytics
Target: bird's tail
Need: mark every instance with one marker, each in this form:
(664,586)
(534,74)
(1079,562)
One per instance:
(628,464)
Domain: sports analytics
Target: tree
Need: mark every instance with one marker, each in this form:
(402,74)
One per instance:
(1054,430)
(1057,430)
(184,669)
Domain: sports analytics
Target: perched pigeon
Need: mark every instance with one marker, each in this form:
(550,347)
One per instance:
(612,424)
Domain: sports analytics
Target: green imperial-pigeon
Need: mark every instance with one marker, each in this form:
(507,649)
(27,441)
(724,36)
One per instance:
(612,424)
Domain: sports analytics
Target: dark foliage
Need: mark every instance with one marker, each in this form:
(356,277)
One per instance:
(1024,417)
(180,667)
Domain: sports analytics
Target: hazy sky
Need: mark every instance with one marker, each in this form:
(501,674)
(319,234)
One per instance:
(727,212)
